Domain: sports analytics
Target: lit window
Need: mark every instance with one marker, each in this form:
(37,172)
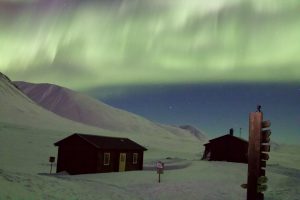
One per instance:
(106,158)
(135,158)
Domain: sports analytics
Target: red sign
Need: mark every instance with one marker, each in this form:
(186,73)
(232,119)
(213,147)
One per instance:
(160,167)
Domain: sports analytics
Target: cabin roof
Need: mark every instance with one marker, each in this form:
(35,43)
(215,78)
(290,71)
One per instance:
(105,142)
(227,136)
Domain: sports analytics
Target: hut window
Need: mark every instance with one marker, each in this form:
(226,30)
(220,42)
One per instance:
(135,158)
(106,158)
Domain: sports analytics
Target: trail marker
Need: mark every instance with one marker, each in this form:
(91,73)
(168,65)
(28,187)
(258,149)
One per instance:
(259,138)
(160,169)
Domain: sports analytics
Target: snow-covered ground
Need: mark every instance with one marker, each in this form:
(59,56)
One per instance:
(24,173)
(27,134)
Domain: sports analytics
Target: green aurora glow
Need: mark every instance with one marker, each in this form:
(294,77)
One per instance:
(82,44)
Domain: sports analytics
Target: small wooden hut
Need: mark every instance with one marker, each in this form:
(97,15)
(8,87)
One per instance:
(226,148)
(81,154)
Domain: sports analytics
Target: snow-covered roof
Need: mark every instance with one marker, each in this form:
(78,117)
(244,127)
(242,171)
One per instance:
(105,142)
(226,136)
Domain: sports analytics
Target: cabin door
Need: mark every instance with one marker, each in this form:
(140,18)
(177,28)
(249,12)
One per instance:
(122,162)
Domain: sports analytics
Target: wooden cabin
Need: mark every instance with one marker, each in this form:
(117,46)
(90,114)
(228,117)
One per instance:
(82,154)
(227,148)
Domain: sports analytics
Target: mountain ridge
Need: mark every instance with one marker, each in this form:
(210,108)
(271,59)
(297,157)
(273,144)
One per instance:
(87,110)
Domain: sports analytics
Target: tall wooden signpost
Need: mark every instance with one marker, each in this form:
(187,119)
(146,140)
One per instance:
(259,138)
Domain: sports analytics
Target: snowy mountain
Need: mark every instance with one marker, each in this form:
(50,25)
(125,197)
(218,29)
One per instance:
(84,109)
(29,128)
(195,131)
(28,131)
(17,108)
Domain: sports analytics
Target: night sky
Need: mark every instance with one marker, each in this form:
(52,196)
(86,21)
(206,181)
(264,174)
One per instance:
(206,63)
(214,108)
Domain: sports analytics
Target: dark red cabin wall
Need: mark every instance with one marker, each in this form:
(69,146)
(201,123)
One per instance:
(129,161)
(141,160)
(114,161)
(237,151)
(76,157)
(218,150)
(228,150)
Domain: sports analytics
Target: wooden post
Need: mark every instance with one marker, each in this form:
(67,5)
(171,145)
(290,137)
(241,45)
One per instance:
(258,148)
(159,177)
(254,159)
(51,160)
(159,169)
(51,169)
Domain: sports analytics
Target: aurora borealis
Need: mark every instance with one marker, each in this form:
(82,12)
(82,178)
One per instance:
(122,48)
(83,44)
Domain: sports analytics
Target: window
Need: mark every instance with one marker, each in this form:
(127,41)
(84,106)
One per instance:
(135,158)
(106,158)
